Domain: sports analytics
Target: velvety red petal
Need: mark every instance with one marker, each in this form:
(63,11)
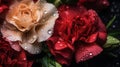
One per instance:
(62,60)
(60,45)
(92,38)
(85,52)
(22,56)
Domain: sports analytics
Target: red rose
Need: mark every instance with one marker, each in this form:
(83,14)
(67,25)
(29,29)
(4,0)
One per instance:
(95,4)
(78,32)
(12,58)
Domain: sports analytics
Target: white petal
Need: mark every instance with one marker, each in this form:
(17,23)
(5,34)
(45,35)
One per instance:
(31,48)
(11,35)
(43,33)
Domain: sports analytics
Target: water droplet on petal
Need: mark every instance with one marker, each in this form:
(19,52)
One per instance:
(24,58)
(58,42)
(61,45)
(37,51)
(90,54)
(81,59)
(54,14)
(25,47)
(50,32)
(45,12)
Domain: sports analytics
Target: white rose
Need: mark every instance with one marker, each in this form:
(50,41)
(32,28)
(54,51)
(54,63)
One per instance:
(28,23)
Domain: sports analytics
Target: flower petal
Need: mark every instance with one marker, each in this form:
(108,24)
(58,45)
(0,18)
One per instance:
(31,48)
(46,30)
(87,52)
(10,34)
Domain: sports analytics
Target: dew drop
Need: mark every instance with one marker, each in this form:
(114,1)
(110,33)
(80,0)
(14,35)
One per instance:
(25,47)
(61,45)
(50,32)
(24,58)
(45,12)
(54,14)
(81,59)
(58,42)
(37,51)
(90,54)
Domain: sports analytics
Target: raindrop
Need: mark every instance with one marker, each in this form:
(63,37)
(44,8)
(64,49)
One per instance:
(37,52)
(25,47)
(45,12)
(24,58)
(81,59)
(54,14)
(61,45)
(90,54)
(50,31)
(58,42)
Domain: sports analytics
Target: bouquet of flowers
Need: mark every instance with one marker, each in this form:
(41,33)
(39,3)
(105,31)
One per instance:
(52,33)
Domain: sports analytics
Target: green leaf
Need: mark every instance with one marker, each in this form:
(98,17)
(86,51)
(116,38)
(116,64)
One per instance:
(55,2)
(57,64)
(110,22)
(111,42)
(48,62)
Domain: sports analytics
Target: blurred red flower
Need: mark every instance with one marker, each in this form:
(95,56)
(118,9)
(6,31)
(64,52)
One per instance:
(12,58)
(94,4)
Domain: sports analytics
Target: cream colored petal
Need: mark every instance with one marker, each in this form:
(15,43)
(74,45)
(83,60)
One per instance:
(51,15)
(11,35)
(24,14)
(30,36)
(31,48)
(48,10)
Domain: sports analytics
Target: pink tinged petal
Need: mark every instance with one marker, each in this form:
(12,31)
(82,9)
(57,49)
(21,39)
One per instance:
(60,45)
(11,35)
(15,45)
(34,48)
(92,38)
(87,52)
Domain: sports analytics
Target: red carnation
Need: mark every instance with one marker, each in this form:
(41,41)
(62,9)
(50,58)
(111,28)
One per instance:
(12,58)
(78,32)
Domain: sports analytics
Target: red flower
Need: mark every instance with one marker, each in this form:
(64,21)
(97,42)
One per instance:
(95,4)
(12,58)
(78,32)
(4,4)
